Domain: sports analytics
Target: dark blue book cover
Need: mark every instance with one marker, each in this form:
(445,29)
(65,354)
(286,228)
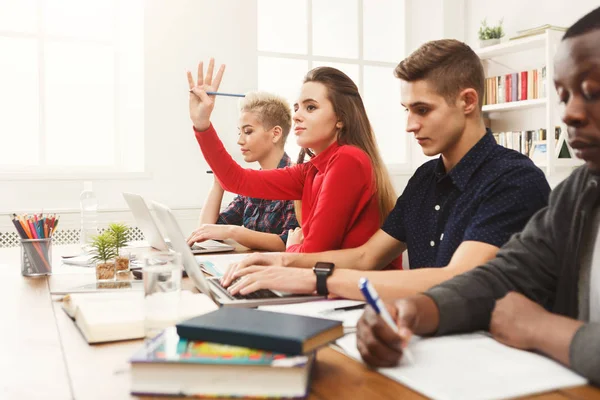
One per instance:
(169,348)
(282,333)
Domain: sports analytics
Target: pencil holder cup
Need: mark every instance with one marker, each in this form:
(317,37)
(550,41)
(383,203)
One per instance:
(36,257)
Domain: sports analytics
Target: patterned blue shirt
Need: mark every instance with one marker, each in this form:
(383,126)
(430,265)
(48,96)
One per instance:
(489,195)
(269,216)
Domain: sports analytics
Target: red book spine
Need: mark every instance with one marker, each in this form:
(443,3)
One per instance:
(508,87)
(523,85)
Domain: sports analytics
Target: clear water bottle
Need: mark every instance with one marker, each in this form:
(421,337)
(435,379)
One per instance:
(89,213)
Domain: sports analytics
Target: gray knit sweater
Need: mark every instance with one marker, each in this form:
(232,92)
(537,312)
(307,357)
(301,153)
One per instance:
(543,263)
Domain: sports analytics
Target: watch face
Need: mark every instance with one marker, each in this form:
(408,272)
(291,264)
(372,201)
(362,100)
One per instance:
(324,267)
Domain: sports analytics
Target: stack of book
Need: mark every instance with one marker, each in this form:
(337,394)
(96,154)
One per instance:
(537,30)
(233,353)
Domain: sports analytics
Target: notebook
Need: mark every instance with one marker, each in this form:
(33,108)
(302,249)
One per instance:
(283,333)
(170,366)
(473,366)
(108,317)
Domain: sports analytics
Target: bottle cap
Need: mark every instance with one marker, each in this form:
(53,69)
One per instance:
(87,186)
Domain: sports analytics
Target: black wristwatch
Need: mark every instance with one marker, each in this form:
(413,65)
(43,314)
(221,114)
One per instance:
(323,270)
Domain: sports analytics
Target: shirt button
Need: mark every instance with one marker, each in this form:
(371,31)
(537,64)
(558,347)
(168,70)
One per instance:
(437,207)
(432,243)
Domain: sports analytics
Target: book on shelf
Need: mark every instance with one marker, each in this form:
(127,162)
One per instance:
(168,365)
(109,317)
(272,331)
(526,142)
(514,82)
(523,86)
(519,86)
(537,31)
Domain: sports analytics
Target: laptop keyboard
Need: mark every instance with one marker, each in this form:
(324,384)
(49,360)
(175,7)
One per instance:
(257,295)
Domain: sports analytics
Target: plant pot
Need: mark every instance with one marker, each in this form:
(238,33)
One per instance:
(106,271)
(488,42)
(122,262)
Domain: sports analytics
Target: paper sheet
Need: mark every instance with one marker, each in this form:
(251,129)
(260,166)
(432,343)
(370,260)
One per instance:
(321,309)
(473,366)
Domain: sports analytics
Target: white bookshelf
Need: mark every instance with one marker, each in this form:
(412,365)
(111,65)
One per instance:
(516,56)
(512,46)
(515,105)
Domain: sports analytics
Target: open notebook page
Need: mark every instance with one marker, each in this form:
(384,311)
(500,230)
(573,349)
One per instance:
(473,366)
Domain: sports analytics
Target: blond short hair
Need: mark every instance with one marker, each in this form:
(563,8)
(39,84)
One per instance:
(271,110)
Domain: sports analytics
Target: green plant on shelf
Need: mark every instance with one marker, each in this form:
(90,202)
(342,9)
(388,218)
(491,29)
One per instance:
(490,32)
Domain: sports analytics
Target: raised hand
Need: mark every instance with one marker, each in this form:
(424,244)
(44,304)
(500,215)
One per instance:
(201,104)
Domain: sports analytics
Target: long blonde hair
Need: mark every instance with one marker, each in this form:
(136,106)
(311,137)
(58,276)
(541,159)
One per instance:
(356,131)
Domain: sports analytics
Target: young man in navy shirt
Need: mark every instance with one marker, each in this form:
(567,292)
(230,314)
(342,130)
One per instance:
(542,291)
(456,211)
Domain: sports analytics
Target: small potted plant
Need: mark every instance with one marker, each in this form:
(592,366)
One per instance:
(120,233)
(490,35)
(104,253)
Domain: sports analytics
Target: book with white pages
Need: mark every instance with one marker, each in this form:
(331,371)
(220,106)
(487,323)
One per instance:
(473,366)
(108,317)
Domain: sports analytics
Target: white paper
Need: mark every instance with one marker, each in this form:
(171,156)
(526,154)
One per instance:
(473,366)
(83,260)
(321,309)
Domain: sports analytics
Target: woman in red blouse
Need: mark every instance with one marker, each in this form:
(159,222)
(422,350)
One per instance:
(345,189)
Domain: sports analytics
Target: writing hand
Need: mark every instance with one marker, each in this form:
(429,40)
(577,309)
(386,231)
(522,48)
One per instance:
(378,344)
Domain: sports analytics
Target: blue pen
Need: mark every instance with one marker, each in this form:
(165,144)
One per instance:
(374,301)
(223,94)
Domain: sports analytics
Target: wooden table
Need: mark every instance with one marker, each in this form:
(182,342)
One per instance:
(45,356)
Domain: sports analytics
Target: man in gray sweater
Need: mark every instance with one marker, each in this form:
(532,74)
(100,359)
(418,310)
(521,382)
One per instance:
(542,291)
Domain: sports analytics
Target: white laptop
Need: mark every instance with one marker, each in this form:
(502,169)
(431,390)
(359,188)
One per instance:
(147,225)
(210,285)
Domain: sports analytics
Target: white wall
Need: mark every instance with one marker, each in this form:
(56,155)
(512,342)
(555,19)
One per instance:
(177,34)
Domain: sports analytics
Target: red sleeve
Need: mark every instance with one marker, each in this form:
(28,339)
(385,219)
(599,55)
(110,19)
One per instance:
(347,188)
(274,184)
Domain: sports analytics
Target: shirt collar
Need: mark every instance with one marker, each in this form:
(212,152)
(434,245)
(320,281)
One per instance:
(466,167)
(320,161)
(285,161)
